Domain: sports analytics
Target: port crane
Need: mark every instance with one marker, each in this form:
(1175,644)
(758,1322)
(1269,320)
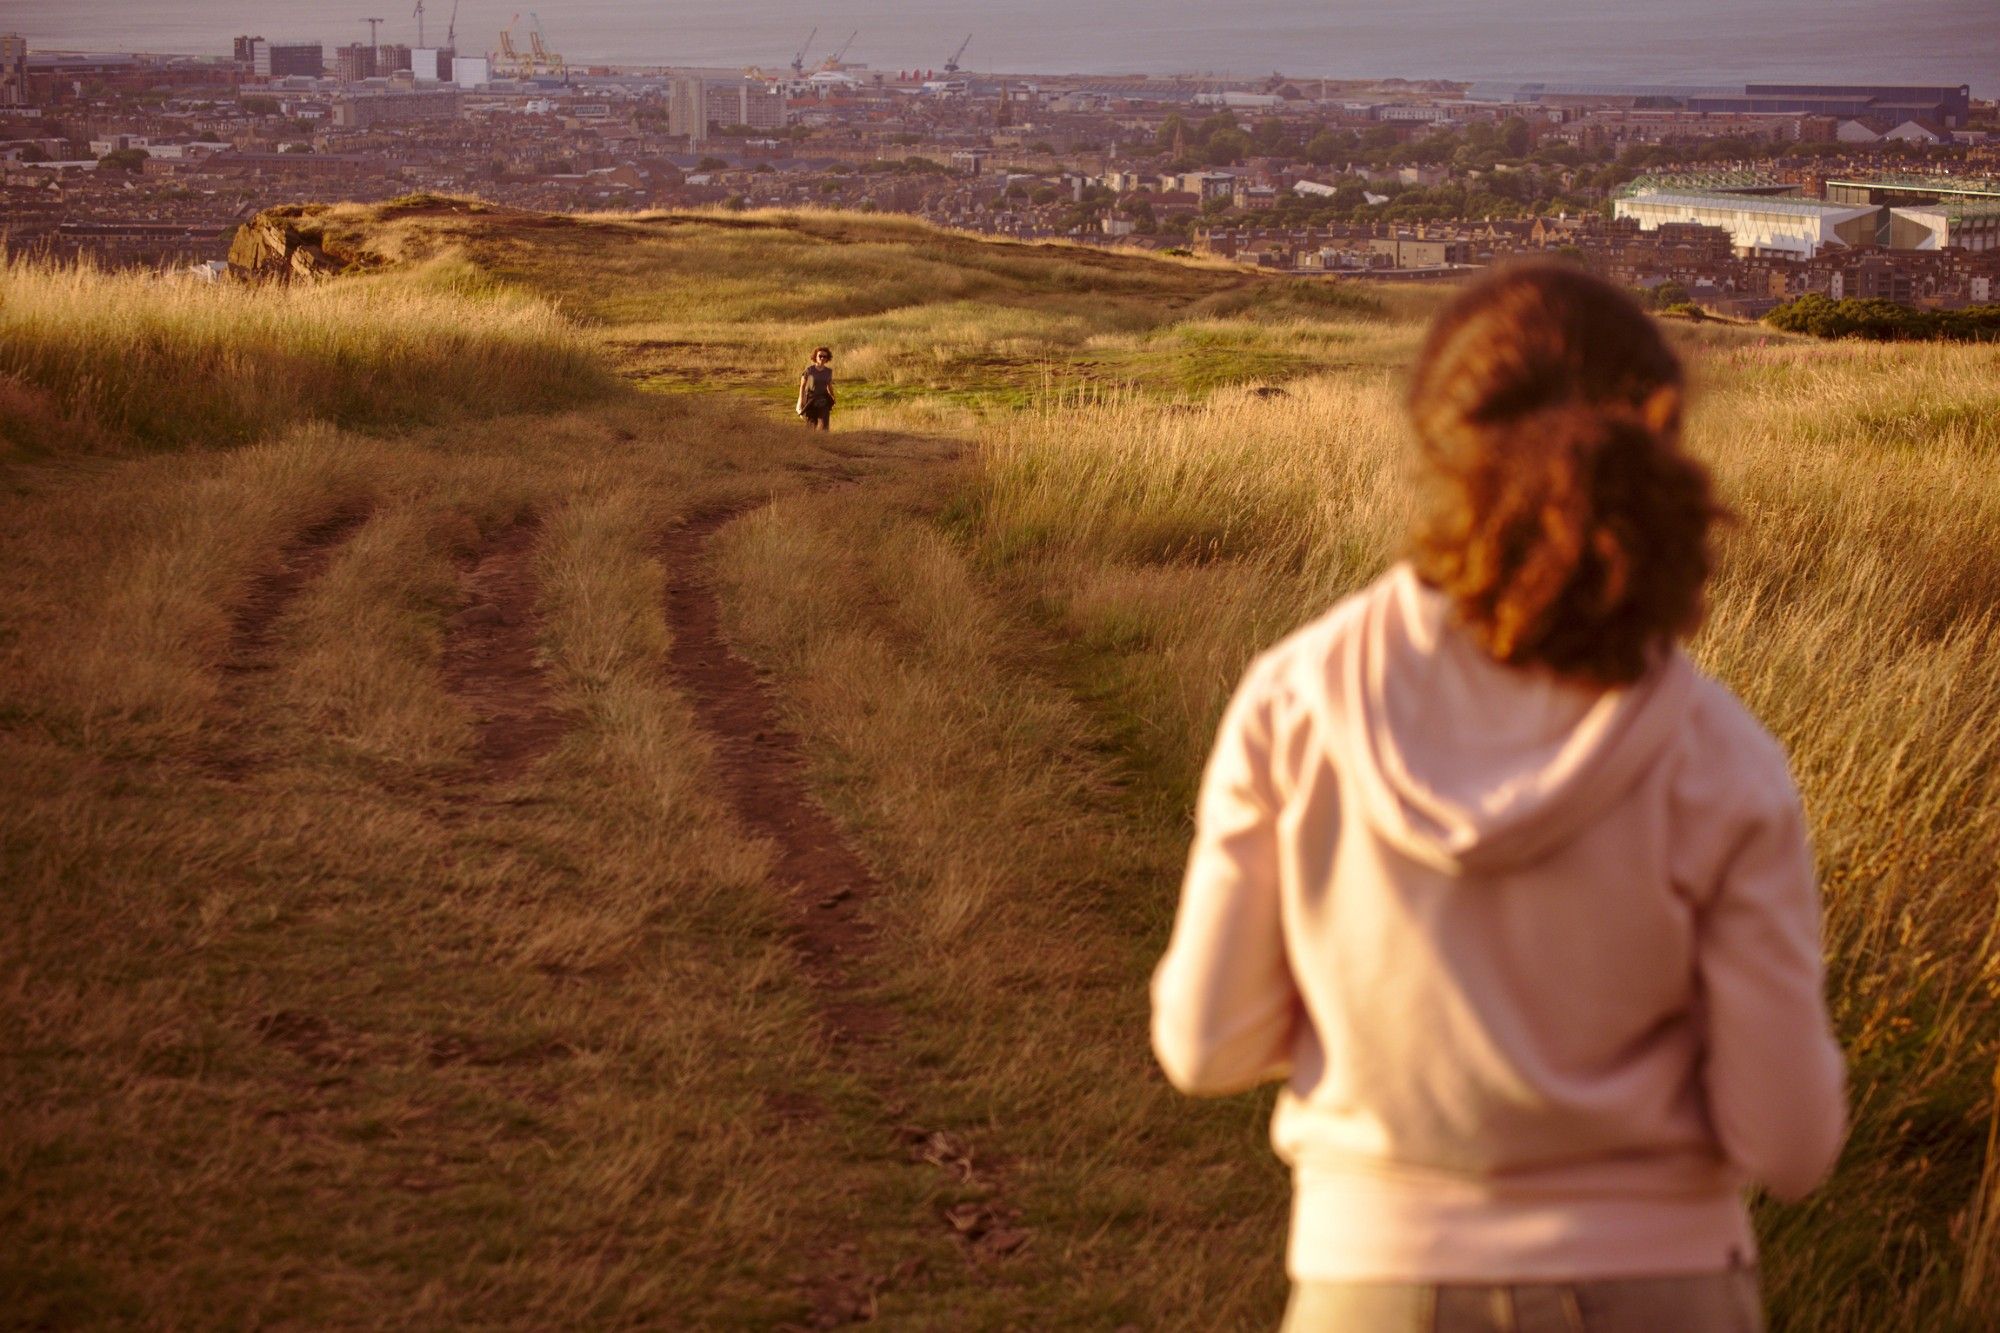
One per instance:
(799,60)
(951,65)
(549,60)
(832,62)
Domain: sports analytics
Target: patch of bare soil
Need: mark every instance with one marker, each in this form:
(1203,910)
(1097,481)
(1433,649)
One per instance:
(762,771)
(491,661)
(761,768)
(253,626)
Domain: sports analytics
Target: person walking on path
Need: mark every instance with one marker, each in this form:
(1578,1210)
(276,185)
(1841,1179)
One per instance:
(1517,903)
(816,390)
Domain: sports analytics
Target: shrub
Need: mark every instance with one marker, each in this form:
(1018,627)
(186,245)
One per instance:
(1877,320)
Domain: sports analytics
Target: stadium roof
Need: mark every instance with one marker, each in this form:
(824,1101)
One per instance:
(1705,182)
(1750,203)
(1960,185)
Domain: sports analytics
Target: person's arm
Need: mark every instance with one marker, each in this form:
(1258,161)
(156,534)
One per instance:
(1224,1003)
(800,406)
(1774,1073)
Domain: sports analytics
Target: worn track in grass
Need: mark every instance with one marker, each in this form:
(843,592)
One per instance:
(490,660)
(252,653)
(761,769)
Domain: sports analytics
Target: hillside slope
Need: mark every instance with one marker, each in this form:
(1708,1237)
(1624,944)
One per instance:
(506,828)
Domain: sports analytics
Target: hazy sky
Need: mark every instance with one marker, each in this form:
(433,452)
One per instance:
(1933,41)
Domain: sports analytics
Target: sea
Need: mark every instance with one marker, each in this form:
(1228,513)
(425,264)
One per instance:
(1706,42)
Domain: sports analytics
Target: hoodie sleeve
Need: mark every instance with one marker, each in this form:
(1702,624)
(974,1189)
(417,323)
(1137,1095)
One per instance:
(1774,1072)
(1224,1003)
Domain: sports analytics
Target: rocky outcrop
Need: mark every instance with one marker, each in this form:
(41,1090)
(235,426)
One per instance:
(287,244)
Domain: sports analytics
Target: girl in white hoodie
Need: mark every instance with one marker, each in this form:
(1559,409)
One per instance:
(1517,903)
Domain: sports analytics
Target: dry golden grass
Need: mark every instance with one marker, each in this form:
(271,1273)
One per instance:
(310,1024)
(130,358)
(1020,912)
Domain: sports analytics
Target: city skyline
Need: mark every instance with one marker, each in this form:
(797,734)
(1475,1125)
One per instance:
(1664,41)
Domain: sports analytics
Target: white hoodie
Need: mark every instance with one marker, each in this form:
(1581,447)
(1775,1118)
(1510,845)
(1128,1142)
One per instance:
(1539,964)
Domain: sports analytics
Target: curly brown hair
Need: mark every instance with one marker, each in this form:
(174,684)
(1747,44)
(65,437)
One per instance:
(1559,513)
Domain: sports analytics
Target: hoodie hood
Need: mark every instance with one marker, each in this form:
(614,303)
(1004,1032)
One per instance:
(1469,765)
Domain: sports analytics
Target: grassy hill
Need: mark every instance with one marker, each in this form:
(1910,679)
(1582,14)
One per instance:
(504,827)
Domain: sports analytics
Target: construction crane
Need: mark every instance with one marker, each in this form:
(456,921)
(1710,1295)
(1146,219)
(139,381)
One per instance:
(421,43)
(375,34)
(799,60)
(832,62)
(951,65)
(451,30)
(549,60)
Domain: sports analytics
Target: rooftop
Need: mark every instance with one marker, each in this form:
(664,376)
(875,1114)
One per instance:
(1960,185)
(1743,203)
(1705,182)
(1958,209)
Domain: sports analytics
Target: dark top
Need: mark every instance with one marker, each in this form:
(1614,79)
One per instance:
(819,382)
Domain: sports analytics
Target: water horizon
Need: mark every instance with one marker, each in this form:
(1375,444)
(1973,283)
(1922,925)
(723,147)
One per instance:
(1616,41)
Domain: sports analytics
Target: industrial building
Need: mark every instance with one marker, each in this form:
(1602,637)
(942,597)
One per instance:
(1759,227)
(1947,106)
(285,60)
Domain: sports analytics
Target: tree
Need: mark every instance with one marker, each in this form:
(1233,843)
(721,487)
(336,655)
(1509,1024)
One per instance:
(1271,138)
(1515,137)
(1328,147)
(1669,293)
(124,159)
(1226,147)
(259,106)
(1137,207)
(1174,125)
(1212,126)
(712,164)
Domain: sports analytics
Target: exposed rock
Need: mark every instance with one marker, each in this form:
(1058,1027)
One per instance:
(282,244)
(310,261)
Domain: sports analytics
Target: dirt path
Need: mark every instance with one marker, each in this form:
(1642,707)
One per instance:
(252,653)
(763,774)
(762,770)
(253,628)
(489,660)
